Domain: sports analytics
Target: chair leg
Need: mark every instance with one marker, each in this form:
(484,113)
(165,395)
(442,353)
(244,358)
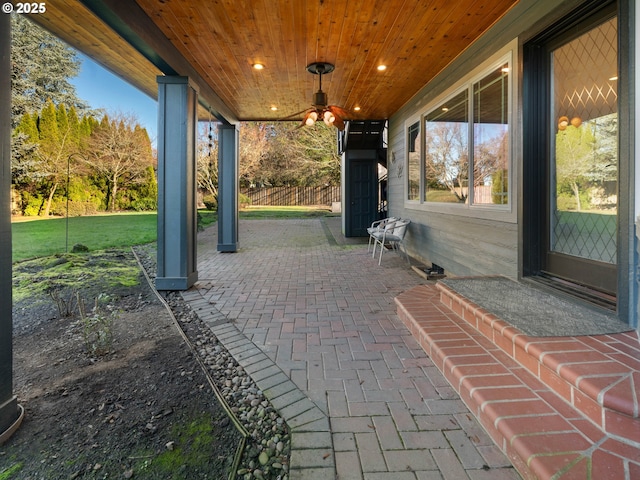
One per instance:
(381,251)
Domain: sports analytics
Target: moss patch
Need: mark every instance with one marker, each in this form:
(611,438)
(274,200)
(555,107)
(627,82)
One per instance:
(71,272)
(189,453)
(8,473)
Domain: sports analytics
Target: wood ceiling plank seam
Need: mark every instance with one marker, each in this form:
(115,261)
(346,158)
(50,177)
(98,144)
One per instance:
(505,7)
(324,12)
(413,33)
(356,66)
(219,76)
(362,35)
(298,98)
(399,21)
(400,9)
(152,25)
(243,23)
(314,10)
(189,16)
(301,61)
(332,86)
(354,91)
(269,32)
(369,53)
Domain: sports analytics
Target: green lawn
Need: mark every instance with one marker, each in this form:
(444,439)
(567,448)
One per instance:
(43,237)
(39,238)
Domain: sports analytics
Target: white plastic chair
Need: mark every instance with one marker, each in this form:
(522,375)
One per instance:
(393,236)
(378,226)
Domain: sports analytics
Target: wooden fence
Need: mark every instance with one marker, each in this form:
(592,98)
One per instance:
(291,196)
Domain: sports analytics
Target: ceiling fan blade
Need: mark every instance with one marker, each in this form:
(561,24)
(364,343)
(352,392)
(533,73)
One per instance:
(339,111)
(293,115)
(338,122)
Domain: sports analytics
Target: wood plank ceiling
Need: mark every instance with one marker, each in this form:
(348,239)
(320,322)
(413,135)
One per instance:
(220,40)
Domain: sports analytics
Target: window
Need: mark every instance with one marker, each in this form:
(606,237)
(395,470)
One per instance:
(413,170)
(491,138)
(467,144)
(447,151)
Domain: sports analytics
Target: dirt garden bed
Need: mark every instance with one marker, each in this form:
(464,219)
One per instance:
(123,400)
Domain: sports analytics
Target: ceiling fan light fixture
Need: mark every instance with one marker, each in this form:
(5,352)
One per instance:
(311,118)
(321,110)
(328,117)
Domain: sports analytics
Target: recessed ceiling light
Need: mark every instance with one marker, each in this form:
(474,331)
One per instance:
(258,66)
(357,109)
(382,67)
(274,108)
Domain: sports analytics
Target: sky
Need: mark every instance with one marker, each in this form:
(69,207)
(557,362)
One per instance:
(102,89)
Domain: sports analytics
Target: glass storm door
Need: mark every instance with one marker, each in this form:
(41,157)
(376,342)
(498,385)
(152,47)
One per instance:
(582,208)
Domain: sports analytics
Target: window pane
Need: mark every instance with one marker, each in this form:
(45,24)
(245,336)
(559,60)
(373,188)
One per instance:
(447,151)
(490,138)
(413,173)
(585,116)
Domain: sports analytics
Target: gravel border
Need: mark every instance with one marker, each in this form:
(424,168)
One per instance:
(287,435)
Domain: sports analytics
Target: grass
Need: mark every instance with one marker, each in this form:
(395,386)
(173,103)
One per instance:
(257,212)
(34,238)
(39,238)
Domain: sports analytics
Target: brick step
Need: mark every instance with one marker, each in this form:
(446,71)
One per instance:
(548,430)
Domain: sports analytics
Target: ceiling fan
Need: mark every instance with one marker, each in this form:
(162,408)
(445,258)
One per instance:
(332,115)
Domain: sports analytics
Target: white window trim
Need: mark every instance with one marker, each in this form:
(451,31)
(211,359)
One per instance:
(507,213)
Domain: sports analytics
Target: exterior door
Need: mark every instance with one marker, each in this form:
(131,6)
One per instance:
(582,207)
(362,196)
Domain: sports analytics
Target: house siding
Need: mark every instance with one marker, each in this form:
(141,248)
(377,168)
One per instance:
(467,241)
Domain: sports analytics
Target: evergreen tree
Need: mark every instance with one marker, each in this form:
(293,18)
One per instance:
(62,119)
(74,127)
(48,128)
(54,150)
(41,67)
(28,126)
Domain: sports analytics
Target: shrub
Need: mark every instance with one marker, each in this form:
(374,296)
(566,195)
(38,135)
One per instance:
(31,204)
(210,202)
(244,199)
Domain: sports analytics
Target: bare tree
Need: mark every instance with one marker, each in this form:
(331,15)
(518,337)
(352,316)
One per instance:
(207,158)
(118,149)
(447,157)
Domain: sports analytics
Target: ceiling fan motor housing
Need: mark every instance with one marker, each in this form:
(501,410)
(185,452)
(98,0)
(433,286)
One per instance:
(320,99)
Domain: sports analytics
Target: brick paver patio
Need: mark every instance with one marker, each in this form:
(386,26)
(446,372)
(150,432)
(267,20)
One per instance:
(312,318)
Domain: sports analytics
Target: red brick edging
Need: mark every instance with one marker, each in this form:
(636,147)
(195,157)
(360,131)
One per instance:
(559,407)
